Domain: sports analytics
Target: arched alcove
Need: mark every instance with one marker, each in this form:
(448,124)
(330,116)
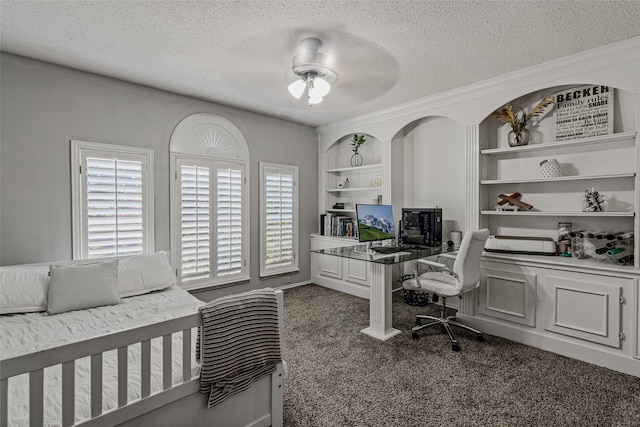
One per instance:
(429,168)
(606,163)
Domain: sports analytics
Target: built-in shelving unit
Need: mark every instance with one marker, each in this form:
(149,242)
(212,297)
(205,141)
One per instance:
(350,185)
(605,163)
(448,150)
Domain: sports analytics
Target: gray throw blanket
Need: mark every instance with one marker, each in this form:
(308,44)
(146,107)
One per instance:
(239,342)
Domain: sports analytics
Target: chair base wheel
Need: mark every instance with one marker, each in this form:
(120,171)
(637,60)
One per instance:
(455,347)
(480,338)
(414,336)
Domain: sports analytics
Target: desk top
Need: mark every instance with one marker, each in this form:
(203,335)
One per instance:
(407,254)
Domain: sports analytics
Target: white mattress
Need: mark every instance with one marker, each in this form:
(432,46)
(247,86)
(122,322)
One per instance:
(26,333)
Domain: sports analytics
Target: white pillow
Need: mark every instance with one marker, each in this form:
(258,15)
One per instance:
(76,287)
(23,289)
(142,274)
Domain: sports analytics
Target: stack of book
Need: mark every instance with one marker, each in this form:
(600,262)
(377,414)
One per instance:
(338,225)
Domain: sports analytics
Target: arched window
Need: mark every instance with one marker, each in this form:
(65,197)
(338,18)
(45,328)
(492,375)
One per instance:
(209,201)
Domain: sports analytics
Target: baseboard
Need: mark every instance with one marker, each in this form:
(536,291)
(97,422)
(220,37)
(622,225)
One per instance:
(293,285)
(605,357)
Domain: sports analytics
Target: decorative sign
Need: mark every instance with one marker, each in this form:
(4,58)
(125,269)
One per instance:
(583,111)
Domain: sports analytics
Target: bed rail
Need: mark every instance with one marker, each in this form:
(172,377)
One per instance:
(35,363)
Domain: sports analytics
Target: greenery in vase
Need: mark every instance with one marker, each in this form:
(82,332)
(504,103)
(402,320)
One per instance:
(357,141)
(519,120)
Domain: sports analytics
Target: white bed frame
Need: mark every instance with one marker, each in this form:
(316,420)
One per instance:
(176,405)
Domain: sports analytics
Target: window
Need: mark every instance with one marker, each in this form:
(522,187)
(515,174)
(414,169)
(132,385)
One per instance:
(209,202)
(278,219)
(112,192)
(213,211)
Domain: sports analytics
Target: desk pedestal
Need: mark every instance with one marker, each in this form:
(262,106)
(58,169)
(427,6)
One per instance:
(380,326)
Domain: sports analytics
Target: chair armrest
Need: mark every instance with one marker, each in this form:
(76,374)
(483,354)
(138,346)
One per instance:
(442,267)
(432,263)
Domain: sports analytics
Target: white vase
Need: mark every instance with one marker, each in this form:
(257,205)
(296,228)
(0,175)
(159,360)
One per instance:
(549,168)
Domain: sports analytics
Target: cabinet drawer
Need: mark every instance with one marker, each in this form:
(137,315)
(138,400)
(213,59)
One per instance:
(584,306)
(508,295)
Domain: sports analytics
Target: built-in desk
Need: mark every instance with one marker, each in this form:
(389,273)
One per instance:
(379,274)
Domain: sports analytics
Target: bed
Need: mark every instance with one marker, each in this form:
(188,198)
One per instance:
(128,363)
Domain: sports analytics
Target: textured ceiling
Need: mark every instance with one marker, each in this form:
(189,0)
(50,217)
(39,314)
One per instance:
(239,52)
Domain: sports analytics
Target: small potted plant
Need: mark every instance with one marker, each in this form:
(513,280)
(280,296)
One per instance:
(519,134)
(356,142)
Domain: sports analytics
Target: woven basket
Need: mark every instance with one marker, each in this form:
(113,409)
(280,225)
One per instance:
(411,294)
(418,298)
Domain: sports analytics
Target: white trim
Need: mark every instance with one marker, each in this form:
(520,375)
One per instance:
(78,222)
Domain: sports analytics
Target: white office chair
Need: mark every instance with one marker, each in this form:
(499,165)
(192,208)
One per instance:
(450,283)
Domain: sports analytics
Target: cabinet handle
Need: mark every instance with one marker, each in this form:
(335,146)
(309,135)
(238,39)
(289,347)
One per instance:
(622,300)
(621,336)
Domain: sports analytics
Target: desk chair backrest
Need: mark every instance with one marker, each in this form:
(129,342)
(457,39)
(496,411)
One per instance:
(467,263)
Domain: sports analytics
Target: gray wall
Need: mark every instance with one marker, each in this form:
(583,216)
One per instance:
(43,107)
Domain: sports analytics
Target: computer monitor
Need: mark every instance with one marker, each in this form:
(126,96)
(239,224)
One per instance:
(375,222)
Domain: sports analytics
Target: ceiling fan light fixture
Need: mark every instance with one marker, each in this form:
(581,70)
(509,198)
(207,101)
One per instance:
(321,86)
(314,75)
(296,89)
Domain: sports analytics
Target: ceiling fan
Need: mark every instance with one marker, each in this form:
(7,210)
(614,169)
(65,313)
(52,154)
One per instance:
(314,75)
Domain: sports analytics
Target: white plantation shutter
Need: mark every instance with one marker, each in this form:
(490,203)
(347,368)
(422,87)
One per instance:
(229,184)
(195,201)
(114,207)
(113,202)
(213,216)
(278,214)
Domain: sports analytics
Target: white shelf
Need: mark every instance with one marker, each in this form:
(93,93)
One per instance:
(561,214)
(555,179)
(616,137)
(336,190)
(356,168)
(341,210)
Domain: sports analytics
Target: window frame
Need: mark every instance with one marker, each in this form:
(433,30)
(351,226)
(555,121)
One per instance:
(80,150)
(293,171)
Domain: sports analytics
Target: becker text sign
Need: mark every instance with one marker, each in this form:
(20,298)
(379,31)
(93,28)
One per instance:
(584,111)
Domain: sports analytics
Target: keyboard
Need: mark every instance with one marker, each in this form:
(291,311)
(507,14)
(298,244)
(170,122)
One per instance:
(388,249)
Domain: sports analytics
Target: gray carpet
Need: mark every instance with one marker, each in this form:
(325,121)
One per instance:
(338,376)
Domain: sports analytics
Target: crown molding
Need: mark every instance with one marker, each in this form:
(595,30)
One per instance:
(536,77)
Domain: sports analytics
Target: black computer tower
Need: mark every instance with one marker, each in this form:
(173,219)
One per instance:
(421,226)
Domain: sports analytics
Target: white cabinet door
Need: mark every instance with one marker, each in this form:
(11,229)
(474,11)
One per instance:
(508,295)
(355,271)
(584,306)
